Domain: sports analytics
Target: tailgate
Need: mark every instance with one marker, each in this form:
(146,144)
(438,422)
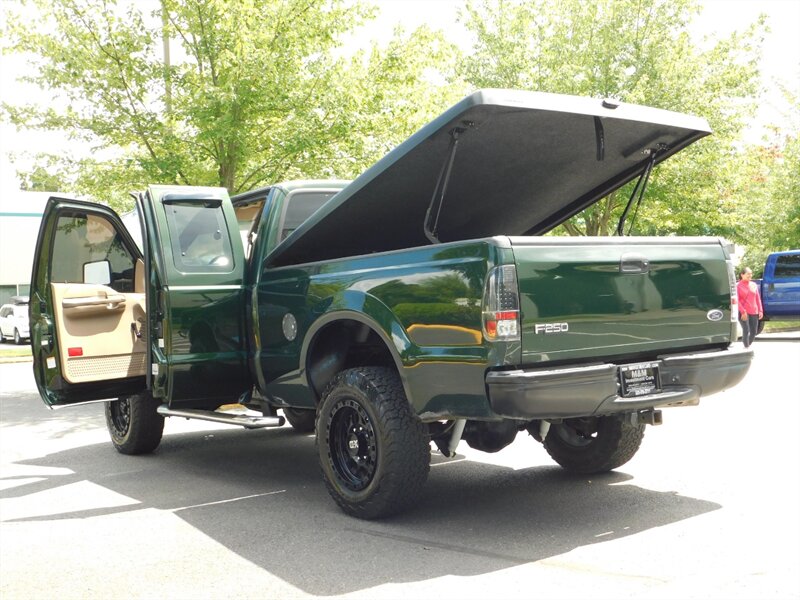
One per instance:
(600,298)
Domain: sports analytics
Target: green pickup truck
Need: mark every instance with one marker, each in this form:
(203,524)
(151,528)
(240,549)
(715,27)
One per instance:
(418,304)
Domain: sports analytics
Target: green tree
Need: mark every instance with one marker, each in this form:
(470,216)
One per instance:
(393,90)
(39,179)
(771,183)
(784,185)
(253,92)
(636,51)
(786,195)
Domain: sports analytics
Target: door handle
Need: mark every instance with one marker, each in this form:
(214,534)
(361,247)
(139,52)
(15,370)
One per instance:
(93,306)
(110,302)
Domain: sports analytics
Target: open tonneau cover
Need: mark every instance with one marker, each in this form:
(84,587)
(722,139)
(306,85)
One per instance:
(523,163)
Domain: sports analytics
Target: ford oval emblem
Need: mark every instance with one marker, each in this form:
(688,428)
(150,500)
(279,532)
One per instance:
(714,315)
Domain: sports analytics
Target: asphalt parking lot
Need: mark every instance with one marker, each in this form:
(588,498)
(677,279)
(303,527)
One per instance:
(708,508)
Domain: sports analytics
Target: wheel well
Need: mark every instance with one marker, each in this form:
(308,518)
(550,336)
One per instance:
(341,345)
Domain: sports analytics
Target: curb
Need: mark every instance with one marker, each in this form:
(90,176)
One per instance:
(15,359)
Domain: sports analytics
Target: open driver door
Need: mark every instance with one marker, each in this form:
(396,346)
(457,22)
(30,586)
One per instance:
(87,306)
(110,321)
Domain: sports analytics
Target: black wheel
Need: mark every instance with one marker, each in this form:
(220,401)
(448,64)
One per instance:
(134,424)
(373,451)
(17,338)
(301,420)
(760,326)
(593,445)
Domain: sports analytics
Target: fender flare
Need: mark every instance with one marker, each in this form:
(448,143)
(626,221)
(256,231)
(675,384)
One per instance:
(363,308)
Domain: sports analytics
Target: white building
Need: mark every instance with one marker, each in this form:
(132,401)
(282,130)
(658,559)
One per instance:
(20,217)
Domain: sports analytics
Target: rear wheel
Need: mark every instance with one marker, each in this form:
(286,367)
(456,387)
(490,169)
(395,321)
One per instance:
(760,326)
(134,424)
(593,445)
(373,451)
(17,337)
(301,420)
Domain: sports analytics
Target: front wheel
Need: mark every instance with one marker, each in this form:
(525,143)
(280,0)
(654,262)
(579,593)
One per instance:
(593,445)
(373,451)
(17,337)
(134,424)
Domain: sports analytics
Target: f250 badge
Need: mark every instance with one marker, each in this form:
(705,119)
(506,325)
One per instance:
(551,327)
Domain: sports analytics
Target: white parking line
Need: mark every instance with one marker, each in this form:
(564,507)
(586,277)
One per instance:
(227,501)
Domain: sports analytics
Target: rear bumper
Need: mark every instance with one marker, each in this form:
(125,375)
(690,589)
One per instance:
(587,390)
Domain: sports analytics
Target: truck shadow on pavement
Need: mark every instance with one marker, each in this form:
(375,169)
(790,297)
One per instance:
(261,495)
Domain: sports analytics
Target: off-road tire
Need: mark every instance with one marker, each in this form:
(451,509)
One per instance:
(301,420)
(134,425)
(612,444)
(373,451)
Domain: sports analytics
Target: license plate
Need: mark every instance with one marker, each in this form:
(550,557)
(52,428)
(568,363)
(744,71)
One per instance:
(639,379)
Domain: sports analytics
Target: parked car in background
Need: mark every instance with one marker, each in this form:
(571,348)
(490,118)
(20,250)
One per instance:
(780,287)
(14,320)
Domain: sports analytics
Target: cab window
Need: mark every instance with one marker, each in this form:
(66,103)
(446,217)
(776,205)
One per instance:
(301,205)
(787,266)
(199,237)
(247,216)
(81,239)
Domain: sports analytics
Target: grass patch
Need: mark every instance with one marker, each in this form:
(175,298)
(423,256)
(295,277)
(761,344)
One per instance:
(11,351)
(770,326)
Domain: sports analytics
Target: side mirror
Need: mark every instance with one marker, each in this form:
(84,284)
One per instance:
(98,272)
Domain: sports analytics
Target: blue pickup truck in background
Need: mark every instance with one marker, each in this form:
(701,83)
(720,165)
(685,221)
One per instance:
(780,287)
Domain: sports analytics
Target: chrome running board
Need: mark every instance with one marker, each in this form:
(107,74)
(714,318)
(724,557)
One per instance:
(242,420)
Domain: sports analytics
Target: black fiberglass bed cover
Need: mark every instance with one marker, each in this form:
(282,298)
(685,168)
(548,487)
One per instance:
(523,163)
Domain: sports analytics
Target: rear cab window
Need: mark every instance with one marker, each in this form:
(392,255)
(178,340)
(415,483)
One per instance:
(301,205)
(199,237)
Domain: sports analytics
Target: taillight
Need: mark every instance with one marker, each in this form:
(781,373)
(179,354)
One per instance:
(732,283)
(501,305)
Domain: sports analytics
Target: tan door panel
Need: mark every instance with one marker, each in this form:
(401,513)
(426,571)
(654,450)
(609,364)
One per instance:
(94,324)
(138,276)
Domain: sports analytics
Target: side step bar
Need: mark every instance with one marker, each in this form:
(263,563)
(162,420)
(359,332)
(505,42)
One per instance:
(246,421)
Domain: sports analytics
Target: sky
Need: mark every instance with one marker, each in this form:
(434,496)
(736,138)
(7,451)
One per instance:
(781,62)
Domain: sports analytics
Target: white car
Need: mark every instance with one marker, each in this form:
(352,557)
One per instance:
(14,320)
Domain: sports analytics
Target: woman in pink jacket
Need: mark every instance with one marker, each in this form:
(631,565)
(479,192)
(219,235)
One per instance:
(750,308)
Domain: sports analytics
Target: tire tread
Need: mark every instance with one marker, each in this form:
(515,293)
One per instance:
(145,430)
(616,443)
(405,449)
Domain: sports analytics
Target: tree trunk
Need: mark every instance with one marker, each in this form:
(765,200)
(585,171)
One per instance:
(227,174)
